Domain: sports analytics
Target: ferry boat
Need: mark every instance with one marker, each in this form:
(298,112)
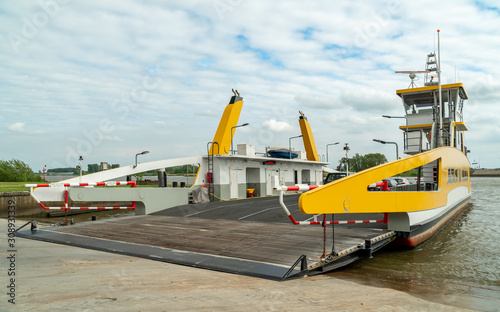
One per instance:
(434,140)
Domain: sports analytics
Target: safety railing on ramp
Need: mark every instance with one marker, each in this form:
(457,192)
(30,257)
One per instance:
(90,184)
(304,188)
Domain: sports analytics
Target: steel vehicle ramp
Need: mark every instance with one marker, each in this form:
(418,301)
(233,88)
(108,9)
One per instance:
(242,243)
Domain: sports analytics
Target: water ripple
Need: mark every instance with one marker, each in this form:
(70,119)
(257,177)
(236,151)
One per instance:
(461,260)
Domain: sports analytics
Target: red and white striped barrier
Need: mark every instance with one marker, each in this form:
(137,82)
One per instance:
(66,185)
(335,222)
(283,189)
(110,183)
(300,187)
(83,208)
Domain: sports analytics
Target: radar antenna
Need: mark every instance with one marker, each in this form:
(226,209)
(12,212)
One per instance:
(412,75)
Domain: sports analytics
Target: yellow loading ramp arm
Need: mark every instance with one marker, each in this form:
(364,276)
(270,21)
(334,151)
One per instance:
(308,139)
(351,195)
(221,143)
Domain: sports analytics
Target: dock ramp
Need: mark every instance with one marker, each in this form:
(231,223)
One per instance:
(248,237)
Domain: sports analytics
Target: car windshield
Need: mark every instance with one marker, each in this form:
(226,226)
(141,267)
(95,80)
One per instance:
(335,176)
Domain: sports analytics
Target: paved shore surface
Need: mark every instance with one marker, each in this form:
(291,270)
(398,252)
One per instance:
(52,277)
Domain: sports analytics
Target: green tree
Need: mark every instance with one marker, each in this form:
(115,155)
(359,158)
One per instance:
(93,168)
(409,173)
(372,160)
(139,176)
(361,162)
(64,170)
(15,170)
(356,163)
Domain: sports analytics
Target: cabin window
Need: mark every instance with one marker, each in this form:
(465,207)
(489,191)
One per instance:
(419,109)
(457,175)
(465,175)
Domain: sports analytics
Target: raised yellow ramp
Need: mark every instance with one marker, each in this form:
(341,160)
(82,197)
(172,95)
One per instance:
(308,139)
(228,120)
(351,195)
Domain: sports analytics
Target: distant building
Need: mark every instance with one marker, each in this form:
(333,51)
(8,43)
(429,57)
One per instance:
(104,166)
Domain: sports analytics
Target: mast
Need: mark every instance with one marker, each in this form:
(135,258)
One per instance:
(440,108)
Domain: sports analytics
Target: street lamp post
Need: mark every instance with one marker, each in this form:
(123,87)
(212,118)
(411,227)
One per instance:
(385,142)
(290,144)
(346,149)
(406,132)
(141,153)
(327,149)
(80,160)
(243,125)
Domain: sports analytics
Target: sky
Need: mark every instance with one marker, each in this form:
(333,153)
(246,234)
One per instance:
(106,80)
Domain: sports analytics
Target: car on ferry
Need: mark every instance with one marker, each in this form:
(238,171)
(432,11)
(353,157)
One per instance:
(401,181)
(333,176)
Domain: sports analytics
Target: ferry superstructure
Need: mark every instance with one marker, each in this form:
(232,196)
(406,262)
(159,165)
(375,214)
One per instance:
(434,140)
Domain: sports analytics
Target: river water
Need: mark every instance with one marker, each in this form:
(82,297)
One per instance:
(459,266)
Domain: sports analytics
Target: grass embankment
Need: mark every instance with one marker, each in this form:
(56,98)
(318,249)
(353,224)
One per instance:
(15,186)
(19,186)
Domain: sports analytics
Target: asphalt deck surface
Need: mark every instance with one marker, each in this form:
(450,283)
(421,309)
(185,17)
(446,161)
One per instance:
(262,209)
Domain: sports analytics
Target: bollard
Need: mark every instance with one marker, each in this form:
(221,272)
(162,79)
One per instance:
(162,178)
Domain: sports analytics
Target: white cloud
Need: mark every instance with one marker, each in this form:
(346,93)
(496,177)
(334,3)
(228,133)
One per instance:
(316,102)
(207,112)
(17,127)
(112,138)
(277,126)
(364,99)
